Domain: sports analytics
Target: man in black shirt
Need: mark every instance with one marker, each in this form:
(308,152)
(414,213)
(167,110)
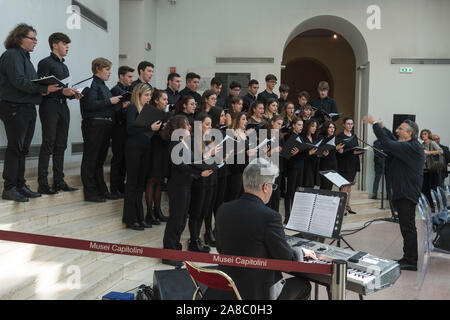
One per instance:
(145,70)
(216,86)
(18,99)
(250,97)
(234,92)
(119,133)
(406,170)
(55,117)
(97,112)
(271,82)
(192,83)
(284,93)
(173,88)
(324,105)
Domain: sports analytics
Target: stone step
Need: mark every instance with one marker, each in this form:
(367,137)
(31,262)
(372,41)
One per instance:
(51,267)
(46,217)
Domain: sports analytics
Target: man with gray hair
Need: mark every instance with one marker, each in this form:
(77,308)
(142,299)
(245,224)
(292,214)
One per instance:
(406,169)
(247,227)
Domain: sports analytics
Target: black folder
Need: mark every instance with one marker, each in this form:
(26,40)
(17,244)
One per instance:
(149,115)
(125,97)
(48,81)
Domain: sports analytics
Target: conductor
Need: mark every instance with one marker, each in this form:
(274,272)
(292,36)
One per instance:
(259,233)
(406,170)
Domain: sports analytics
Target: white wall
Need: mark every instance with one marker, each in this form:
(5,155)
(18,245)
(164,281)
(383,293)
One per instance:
(192,33)
(48,16)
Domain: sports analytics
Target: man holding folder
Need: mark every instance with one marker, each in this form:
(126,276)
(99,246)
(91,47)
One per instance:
(19,95)
(55,116)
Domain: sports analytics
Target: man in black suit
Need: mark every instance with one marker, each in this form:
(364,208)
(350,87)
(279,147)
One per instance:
(406,170)
(258,233)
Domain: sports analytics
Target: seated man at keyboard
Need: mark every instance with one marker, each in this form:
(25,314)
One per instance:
(247,227)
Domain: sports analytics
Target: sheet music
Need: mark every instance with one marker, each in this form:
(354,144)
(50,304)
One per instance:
(336,179)
(262,144)
(225,139)
(302,209)
(324,215)
(83,85)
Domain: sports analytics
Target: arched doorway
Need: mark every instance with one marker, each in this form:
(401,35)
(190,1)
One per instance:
(293,76)
(353,99)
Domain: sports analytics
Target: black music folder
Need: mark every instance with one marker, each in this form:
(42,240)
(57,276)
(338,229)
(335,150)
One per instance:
(294,141)
(327,146)
(357,149)
(318,212)
(149,115)
(48,81)
(346,140)
(125,97)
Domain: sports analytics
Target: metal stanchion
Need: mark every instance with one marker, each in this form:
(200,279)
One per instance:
(338,279)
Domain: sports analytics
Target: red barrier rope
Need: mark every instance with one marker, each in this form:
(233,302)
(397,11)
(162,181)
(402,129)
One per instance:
(123,249)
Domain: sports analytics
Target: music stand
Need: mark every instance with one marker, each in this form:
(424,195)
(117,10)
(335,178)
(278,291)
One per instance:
(337,216)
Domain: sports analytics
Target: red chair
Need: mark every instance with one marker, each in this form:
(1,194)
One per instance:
(211,278)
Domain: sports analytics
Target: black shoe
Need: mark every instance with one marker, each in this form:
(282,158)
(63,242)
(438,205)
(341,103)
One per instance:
(159,215)
(408,267)
(351,212)
(374,197)
(46,189)
(146,225)
(14,195)
(25,190)
(150,218)
(176,264)
(402,260)
(63,186)
(111,196)
(135,226)
(209,238)
(118,195)
(95,199)
(197,246)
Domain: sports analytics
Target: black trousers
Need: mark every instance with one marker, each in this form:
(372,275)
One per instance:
(55,120)
(220,193)
(179,201)
(294,180)
(234,187)
(296,288)
(118,161)
(430,181)
(96,136)
(20,122)
(212,205)
(137,157)
(198,210)
(407,220)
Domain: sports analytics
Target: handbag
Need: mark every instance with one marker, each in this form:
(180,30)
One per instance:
(442,240)
(435,162)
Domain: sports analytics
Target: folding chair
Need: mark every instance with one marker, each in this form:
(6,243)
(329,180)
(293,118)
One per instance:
(211,278)
(429,251)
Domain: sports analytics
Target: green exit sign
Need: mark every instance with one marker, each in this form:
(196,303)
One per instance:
(406,70)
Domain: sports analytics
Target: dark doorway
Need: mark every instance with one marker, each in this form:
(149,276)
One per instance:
(304,74)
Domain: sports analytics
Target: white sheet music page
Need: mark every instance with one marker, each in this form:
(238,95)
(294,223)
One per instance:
(337,179)
(324,215)
(301,211)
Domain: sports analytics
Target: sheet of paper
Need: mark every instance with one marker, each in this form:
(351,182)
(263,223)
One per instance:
(301,212)
(81,86)
(324,215)
(336,179)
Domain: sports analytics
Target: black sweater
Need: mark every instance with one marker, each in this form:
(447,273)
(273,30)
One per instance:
(406,166)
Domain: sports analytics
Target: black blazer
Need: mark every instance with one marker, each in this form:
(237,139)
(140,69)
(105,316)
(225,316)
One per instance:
(246,227)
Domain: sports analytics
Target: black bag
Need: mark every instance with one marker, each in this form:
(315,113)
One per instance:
(146,293)
(434,162)
(442,240)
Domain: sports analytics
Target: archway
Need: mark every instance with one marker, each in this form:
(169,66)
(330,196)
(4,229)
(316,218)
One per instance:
(353,103)
(292,75)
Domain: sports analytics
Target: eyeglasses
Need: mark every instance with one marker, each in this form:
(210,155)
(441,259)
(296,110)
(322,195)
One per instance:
(274,186)
(32,39)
